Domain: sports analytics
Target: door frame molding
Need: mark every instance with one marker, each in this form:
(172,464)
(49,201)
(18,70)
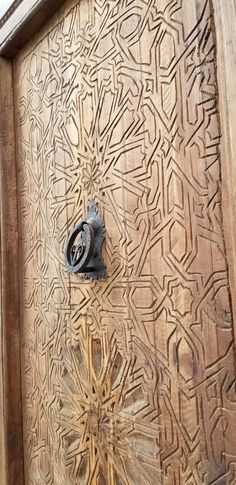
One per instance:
(21,21)
(17,26)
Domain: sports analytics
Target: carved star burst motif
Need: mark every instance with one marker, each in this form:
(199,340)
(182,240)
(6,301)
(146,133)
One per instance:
(100,415)
(91,176)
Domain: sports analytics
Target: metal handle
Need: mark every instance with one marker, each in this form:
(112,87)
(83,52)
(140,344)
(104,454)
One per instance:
(80,247)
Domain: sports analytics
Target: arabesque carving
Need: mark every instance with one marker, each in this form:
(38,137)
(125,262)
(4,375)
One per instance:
(130,380)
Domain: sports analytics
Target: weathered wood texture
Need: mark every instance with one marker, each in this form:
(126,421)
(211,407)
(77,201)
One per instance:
(225,21)
(11,464)
(130,380)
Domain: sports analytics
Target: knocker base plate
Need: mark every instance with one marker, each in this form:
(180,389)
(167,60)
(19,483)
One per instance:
(84,245)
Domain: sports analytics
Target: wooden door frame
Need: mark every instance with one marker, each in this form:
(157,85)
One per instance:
(11,457)
(17,26)
(23,19)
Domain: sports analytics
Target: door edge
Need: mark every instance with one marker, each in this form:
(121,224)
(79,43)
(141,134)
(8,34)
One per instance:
(11,437)
(224,14)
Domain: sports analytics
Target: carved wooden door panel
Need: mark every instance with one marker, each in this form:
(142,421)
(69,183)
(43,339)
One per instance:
(128,380)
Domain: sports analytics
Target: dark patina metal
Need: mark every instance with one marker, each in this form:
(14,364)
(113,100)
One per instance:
(84,245)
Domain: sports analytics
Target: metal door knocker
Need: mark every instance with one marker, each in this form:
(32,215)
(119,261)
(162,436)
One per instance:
(83,248)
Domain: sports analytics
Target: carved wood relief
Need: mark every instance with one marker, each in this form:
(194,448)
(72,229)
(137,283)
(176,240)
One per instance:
(130,380)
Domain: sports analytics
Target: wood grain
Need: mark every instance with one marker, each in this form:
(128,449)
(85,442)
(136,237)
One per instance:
(10,365)
(225,18)
(130,380)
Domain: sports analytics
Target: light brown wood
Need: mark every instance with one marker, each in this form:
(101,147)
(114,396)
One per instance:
(143,363)
(11,445)
(225,21)
(130,380)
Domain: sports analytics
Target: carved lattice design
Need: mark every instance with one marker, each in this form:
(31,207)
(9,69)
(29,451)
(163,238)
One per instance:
(129,380)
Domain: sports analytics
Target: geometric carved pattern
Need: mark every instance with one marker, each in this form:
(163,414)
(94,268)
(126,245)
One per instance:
(128,380)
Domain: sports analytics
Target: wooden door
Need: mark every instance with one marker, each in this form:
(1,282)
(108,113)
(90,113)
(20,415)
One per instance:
(128,380)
